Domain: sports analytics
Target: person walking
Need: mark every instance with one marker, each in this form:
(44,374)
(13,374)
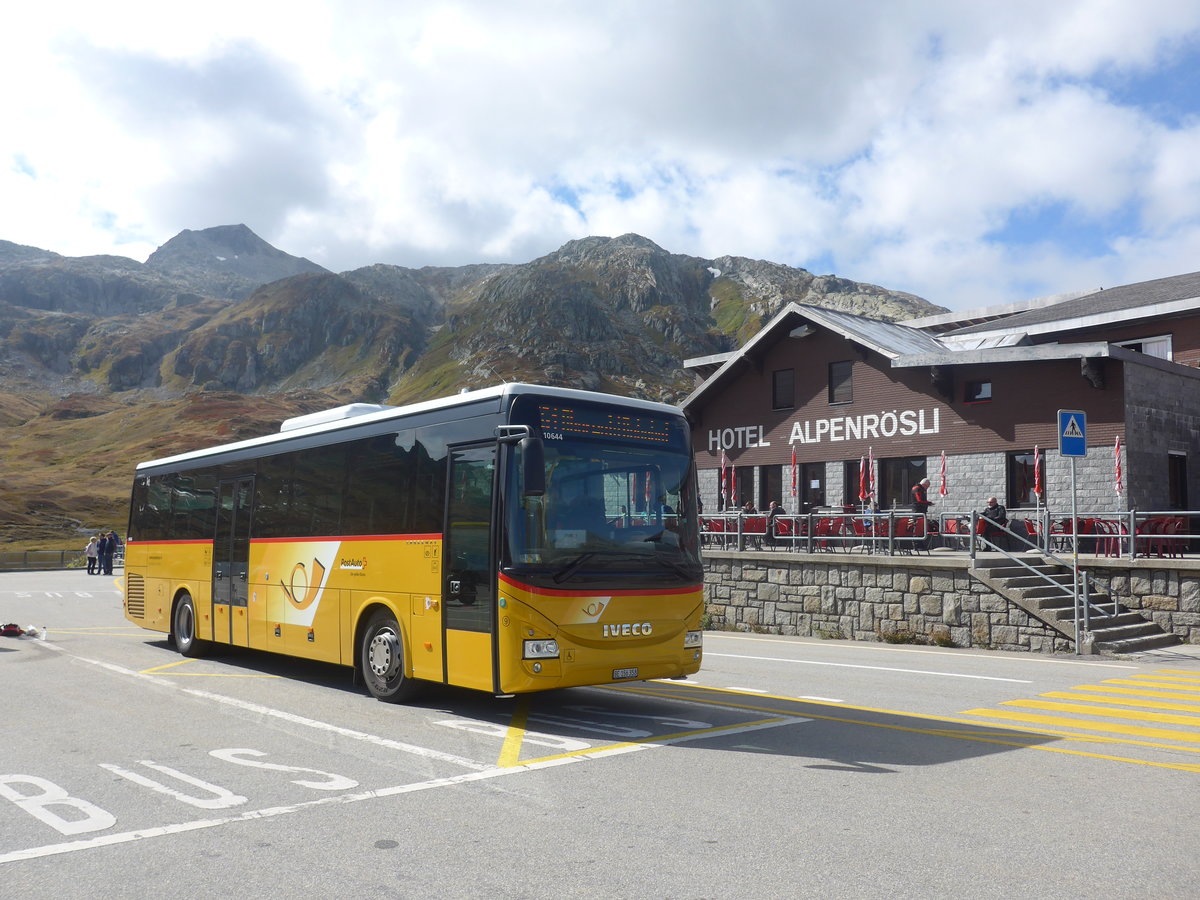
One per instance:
(920,496)
(92,552)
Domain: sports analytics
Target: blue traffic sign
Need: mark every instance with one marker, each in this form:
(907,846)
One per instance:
(1072,432)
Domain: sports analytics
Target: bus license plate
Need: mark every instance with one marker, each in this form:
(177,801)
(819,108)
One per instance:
(619,674)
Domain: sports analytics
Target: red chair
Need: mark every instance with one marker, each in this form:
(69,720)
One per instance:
(827,528)
(1151,534)
(754,528)
(864,529)
(952,536)
(785,529)
(1173,544)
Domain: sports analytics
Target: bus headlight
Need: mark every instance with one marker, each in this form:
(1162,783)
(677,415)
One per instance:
(693,639)
(541,649)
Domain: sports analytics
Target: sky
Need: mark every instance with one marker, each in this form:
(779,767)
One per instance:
(972,153)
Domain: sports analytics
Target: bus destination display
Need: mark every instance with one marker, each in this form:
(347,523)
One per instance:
(607,424)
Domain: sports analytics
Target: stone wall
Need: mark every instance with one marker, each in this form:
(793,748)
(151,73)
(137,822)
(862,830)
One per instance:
(865,598)
(1165,591)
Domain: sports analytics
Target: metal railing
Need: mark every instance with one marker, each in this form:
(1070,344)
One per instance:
(41,560)
(1079,593)
(895,531)
(1128,534)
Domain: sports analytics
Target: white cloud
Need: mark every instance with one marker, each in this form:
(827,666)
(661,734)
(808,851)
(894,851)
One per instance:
(911,145)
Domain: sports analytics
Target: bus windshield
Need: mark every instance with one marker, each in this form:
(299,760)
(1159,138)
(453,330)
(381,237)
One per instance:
(609,509)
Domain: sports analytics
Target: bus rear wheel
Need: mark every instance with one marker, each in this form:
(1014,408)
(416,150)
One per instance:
(183,628)
(381,660)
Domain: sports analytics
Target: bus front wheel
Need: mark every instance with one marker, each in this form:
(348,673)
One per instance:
(382,660)
(183,628)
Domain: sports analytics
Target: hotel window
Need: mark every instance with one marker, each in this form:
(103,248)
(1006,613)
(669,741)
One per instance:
(1022,479)
(977,392)
(811,489)
(783,389)
(1177,492)
(896,479)
(1158,346)
(851,469)
(841,385)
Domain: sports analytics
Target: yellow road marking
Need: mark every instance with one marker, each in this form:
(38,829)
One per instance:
(1167,682)
(52,632)
(1166,695)
(1161,685)
(1006,738)
(156,670)
(1162,733)
(664,738)
(1108,712)
(510,752)
(170,665)
(1122,701)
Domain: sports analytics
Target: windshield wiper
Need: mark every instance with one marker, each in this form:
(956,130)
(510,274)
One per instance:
(677,567)
(572,567)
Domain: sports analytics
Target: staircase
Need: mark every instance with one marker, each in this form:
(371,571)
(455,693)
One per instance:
(1046,594)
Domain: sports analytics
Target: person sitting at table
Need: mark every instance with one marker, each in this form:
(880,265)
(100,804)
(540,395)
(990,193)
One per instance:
(995,514)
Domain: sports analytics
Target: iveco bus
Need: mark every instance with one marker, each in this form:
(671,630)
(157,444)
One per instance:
(511,539)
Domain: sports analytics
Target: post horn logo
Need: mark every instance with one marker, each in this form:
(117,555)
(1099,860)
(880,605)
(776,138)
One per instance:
(310,588)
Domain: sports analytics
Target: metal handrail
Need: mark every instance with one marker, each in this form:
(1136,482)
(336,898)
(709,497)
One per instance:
(1079,593)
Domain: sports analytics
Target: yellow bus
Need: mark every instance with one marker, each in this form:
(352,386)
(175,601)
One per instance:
(511,539)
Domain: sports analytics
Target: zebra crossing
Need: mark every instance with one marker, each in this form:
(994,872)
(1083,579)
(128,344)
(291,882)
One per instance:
(1150,718)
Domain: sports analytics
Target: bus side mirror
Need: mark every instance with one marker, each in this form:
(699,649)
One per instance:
(533,466)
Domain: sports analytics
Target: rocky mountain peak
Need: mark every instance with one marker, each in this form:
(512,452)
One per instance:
(226,261)
(19,254)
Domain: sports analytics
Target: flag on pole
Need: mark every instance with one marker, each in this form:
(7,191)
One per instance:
(794,472)
(724,480)
(1037,471)
(942,487)
(864,480)
(1117,482)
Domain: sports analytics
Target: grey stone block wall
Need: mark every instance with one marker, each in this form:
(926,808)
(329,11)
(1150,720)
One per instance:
(866,598)
(935,600)
(1170,597)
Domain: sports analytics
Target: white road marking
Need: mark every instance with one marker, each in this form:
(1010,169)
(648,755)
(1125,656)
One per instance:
(126,837)
(426,752)
(810,662)
(930,651)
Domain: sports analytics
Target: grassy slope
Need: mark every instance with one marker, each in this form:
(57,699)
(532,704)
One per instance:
(67,476)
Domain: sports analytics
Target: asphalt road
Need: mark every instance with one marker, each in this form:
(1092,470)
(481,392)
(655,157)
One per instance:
(787,768)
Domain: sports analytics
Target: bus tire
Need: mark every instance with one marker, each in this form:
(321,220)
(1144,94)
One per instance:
(381,660)
(183,627)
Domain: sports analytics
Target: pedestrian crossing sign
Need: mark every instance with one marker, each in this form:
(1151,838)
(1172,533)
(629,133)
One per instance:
(1072,432)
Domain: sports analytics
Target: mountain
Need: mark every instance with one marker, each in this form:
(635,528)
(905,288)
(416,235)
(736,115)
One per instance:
(226,261)
(219,323)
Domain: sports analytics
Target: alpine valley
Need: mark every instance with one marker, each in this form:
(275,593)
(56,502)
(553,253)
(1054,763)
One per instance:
(218,336)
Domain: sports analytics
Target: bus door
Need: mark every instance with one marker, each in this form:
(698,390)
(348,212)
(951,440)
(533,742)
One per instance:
(469,569)
(231,561)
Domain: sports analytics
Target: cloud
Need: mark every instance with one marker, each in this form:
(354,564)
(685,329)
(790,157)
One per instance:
(964,152)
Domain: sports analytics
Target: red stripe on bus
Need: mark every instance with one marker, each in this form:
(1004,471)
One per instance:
(172,543)
(348,537)
(555,592)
